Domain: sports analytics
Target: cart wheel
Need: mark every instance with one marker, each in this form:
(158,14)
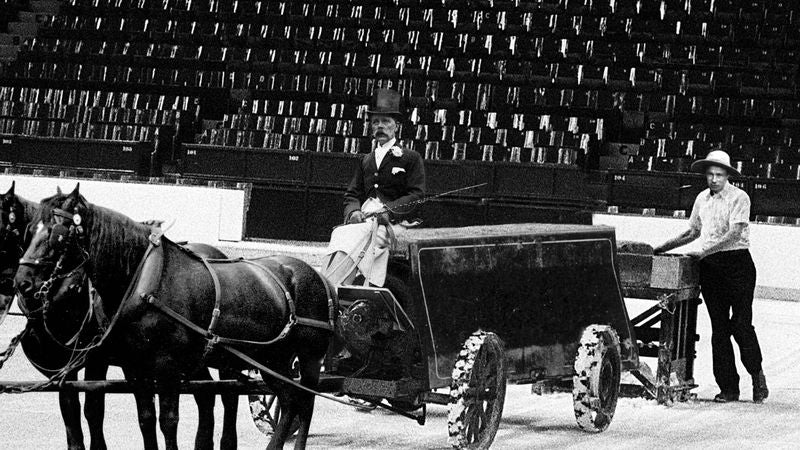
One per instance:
(266,409)
(477,392)
(595,384)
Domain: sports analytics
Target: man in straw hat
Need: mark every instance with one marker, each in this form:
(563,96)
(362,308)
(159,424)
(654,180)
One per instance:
(720,217)
(385,184)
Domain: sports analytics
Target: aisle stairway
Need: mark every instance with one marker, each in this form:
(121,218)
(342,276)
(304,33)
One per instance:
(19,21)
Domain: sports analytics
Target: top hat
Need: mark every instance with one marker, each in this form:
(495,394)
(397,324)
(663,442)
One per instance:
(385,102)
(715,158)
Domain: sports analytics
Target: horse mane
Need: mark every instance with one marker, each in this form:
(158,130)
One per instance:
(113,233)
(31,209)
(44,210)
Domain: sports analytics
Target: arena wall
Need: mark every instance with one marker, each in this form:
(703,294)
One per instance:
(775,248)
(200,214)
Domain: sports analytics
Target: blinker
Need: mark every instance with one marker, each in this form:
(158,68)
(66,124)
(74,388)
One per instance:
(58,235)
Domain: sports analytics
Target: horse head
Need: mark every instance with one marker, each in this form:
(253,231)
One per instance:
(12,230)
(55,249)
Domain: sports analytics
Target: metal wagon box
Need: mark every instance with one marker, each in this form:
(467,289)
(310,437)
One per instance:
(537,286)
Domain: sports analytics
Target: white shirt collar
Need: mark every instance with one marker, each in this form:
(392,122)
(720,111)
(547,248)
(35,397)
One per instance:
(382,150)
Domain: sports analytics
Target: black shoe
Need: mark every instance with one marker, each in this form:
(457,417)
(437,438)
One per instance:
(760,391)
(726,397)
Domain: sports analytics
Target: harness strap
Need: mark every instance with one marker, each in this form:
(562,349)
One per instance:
(216,339)
(152,300)
(217,297)
(237,353)
(333,301)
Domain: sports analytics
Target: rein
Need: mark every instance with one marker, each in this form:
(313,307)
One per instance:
(80,353)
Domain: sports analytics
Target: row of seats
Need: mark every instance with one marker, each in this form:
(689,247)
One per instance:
(298,141)
(710,30)
(96,98)
(542,132)
(600,6)
(82,114)
(479,15)
(747,168)
(329,117)
(77,130)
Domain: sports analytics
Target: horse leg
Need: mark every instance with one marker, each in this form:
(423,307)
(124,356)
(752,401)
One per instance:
(146,408)
(95,405)
(231,403)
(168,417)
(204,440)
(288,402)
(309,377)
(70,406)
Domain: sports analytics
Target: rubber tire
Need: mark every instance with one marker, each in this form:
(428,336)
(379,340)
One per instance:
(596,381)
(463,370)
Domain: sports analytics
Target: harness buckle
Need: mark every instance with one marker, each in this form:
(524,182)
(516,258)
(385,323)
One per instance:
(149,298)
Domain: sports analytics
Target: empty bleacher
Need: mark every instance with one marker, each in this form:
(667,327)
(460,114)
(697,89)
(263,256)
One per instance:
(515,85)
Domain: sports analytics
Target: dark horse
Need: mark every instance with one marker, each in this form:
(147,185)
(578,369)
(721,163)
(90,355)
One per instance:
(74,320)
(244,300)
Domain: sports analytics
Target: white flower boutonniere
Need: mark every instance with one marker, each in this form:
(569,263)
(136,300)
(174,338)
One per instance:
(397,151)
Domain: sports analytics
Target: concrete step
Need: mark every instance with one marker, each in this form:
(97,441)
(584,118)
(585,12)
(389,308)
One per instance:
(8,52)
(9,39)
(24,29)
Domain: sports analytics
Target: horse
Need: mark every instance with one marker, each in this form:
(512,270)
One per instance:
(276,308)
(71,302)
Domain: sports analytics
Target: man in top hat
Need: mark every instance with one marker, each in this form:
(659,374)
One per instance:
(384,187)
(720,217)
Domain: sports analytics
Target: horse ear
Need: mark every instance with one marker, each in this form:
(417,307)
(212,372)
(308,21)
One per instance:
(77,191)
(58,190)
(10,192)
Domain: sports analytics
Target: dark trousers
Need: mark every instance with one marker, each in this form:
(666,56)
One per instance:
(728,280)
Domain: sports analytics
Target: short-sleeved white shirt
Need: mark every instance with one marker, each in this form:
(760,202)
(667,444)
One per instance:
(714,214)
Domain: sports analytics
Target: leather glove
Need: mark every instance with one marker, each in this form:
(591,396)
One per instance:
(356,217)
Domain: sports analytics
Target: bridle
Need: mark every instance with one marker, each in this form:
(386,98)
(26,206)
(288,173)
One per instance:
(65,238)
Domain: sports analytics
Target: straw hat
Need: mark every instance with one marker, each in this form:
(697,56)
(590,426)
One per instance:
(715,158)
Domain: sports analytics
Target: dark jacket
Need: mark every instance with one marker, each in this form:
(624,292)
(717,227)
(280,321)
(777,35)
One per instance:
(393,189)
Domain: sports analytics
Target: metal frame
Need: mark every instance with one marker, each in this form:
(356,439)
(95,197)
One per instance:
(673,342)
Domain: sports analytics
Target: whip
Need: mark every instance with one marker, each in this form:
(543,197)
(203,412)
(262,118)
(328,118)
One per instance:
(423,200)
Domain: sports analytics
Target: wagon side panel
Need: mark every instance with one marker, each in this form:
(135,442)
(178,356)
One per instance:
(536,292)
